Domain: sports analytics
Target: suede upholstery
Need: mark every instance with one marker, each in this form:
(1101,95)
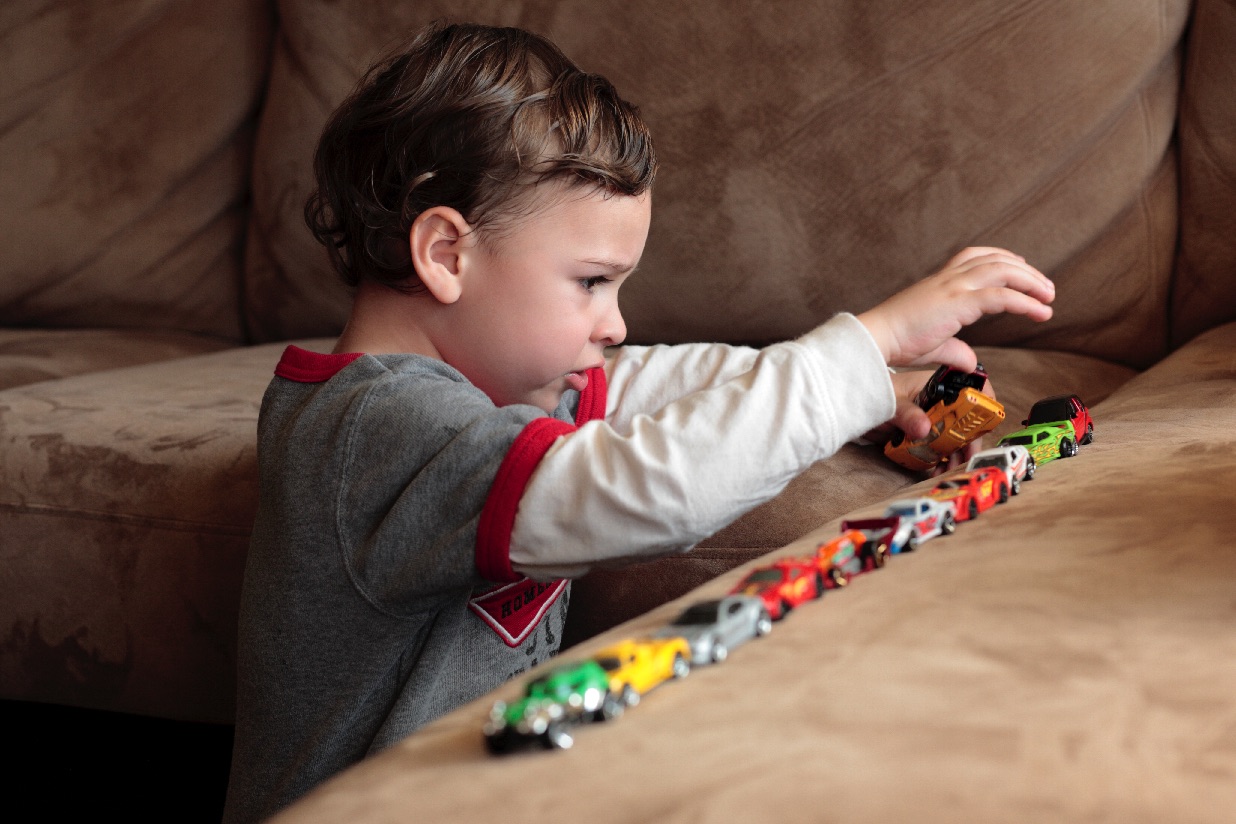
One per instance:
(816,157)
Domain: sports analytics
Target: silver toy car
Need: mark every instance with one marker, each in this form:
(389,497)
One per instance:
(713,628)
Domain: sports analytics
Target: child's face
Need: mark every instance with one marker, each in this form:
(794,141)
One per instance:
(539,304)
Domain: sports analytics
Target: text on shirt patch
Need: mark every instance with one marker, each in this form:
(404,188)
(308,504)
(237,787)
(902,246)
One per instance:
(514,610)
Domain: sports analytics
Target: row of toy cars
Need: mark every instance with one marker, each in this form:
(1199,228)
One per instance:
(959,413)
(602,687)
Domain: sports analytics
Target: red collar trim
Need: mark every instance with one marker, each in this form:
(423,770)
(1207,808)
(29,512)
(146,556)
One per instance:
(303,366)
(592,399)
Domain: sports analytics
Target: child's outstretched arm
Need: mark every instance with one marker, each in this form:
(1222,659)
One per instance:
(658,481)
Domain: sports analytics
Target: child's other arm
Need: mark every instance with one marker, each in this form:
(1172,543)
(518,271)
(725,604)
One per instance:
(675,476)
(667,479)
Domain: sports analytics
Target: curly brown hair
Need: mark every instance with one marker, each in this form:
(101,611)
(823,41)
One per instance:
(470,117)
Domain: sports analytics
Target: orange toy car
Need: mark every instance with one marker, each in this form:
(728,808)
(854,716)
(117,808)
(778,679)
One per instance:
(959,413)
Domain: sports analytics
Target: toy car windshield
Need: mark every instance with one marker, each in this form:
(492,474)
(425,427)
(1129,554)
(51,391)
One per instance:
(704,612)
(980,463)
(764,575)
(951,485)
(1019,440)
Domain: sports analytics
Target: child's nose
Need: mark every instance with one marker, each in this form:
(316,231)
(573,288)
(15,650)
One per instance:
(611,329)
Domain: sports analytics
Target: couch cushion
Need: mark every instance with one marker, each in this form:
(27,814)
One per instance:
(32,355)
(816,160)
(125,135)
(126,501)
(1204,290)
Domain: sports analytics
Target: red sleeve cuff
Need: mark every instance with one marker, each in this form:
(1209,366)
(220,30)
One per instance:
(493,534)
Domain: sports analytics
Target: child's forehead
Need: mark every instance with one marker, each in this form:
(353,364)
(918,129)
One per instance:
(596,221)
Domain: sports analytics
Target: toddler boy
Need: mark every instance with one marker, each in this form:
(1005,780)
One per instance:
(429,487)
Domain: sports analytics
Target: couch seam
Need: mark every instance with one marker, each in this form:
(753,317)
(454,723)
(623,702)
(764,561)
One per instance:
(171,524)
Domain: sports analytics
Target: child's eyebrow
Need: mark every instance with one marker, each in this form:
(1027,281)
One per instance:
(615,266)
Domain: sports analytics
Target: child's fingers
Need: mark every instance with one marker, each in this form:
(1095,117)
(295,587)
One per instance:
(912,420)
(1008,270)
(952,352)
(972,252)
(1002,299)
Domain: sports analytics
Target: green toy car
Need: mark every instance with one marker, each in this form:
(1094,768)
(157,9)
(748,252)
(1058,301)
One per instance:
(1045,441)
(550,706)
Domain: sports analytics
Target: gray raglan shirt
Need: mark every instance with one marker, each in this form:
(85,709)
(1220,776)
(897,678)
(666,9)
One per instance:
(400,511)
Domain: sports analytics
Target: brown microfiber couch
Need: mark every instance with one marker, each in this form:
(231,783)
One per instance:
(1069,655)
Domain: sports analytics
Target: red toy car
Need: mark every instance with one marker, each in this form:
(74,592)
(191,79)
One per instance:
(783,585)
(850,553)
(973,492)
(1064,408)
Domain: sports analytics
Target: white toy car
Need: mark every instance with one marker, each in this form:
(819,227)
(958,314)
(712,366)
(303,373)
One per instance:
(928,516)
(1015,461)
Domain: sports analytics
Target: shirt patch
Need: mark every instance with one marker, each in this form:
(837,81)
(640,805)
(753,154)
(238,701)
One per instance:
(513,610)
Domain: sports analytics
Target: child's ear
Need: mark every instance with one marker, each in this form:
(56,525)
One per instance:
(438,240)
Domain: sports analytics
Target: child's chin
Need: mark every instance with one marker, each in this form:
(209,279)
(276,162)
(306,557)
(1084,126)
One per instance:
(546,399)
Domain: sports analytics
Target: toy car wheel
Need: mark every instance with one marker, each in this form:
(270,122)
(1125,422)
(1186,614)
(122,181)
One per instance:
(911,542)
(1004,494)
(1089,436)
(497,744)
(611,708)
(1016,490)
(681,667)
(819,586)
(948,524)
(719,652)
(786,608)
(629,696)
(1068,448)
(1030,467)
(974,510)
(838,578)
(763,624)
(557,738)
(877,554)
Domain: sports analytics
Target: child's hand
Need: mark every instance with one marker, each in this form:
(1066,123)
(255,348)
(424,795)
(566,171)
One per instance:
(913,421)
(919,325)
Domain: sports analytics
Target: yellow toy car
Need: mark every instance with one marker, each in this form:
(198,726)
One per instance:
(959,413)
(636,666)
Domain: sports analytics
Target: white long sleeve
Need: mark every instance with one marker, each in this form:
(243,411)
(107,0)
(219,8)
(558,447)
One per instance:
(657,477)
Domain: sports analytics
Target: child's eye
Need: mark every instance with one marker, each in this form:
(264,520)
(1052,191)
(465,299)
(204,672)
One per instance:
(591,283)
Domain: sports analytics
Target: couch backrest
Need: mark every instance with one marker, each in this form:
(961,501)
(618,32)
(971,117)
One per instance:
(816,156)
(125,143)
(1204,289)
